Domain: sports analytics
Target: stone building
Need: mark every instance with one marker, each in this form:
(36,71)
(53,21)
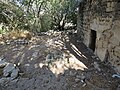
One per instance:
(99,28)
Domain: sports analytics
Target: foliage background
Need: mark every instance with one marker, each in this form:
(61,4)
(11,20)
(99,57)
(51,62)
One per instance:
(38,15)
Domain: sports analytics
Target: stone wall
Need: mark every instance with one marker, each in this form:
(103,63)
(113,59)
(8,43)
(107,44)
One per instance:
(101,17)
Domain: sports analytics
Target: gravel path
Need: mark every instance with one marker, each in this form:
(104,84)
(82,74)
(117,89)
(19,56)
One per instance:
(73,67)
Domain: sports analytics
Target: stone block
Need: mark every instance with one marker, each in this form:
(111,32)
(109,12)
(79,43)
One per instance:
(107,29)
(110,6)
(114,41)
(99,44)
(118,69)
(105,44)
(117,51)
(116,29)
(101,52)
(110,47)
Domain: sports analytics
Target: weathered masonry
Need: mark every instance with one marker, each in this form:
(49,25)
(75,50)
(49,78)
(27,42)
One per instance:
(99,28)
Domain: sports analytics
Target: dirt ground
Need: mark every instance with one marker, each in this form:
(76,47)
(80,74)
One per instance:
(80,69)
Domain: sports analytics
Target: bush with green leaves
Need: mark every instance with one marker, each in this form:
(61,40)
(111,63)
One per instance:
(38,15)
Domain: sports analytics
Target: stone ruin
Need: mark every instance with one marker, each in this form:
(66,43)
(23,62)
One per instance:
(99,29)
(8,72)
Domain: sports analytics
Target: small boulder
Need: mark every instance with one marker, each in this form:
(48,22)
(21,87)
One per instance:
(49,57)
(14,73)
(77,80)
(8,69)
(3,64)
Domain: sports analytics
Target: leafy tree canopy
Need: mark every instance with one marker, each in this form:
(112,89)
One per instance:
(38,15)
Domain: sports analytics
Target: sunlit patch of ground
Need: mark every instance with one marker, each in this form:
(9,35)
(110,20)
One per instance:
(69,61)
(59,66)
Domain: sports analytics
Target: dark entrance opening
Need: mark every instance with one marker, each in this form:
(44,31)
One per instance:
(92,40)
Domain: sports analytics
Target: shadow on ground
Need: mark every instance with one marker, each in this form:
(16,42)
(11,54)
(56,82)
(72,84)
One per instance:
(58,75)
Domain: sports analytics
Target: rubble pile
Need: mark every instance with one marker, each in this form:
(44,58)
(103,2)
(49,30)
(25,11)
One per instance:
(8,72)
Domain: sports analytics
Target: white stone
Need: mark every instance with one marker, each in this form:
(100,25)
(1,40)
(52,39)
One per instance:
(77,80)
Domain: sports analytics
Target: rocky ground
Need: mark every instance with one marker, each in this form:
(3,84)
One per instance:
(55,61)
